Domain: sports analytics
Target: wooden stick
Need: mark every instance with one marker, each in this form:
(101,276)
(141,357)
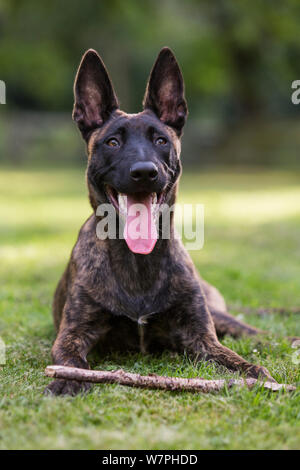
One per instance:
(154,381)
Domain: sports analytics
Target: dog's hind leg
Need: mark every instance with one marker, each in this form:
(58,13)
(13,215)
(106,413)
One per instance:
(225,323)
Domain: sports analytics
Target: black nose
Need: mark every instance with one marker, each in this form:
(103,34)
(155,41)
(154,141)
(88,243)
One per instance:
(144,171)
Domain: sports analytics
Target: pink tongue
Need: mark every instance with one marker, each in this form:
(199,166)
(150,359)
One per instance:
(140,230)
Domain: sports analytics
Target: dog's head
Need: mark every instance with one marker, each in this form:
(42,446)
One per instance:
(132,155)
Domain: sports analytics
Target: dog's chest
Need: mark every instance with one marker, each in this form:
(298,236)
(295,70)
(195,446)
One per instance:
(141,306)
(140,291)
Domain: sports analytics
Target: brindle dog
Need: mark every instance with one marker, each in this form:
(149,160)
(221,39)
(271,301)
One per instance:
(122,294)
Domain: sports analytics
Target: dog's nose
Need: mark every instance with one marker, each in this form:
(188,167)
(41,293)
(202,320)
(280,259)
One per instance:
(144,171)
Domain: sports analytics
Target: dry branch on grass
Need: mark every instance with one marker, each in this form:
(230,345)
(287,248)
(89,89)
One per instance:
(154,381)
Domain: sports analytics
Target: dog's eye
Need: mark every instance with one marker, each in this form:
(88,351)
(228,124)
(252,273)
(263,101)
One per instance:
(113,142)
(161,141)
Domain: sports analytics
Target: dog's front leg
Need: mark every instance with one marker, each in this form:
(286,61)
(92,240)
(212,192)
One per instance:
(212,349)
(199,339)
(79,331)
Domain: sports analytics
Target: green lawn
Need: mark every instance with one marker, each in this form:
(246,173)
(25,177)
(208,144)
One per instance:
(251,252)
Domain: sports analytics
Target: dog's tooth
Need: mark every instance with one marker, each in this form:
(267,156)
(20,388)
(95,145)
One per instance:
(122,202)
(154,204)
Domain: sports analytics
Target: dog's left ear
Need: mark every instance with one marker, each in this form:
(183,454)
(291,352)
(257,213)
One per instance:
(165,91)
(94,95)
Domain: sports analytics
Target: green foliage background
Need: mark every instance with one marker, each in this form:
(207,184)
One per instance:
(239,60)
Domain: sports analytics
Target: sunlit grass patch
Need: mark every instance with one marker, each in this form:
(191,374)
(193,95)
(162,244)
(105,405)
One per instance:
(251,252)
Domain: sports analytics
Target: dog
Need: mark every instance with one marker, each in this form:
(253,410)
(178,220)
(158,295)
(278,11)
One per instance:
(136,294)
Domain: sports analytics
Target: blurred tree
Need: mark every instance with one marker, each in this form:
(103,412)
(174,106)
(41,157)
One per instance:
(239,58)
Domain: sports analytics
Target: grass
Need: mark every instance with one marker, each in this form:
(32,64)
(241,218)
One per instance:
(251,253)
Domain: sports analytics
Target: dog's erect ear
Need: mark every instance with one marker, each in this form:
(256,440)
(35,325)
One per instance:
(165,91)
(94,95)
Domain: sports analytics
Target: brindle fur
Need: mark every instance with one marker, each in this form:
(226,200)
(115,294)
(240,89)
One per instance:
(110,297)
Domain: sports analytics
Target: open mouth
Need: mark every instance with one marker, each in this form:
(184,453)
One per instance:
(141,213)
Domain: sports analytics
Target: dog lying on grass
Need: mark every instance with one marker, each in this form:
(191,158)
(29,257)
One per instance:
(136,293)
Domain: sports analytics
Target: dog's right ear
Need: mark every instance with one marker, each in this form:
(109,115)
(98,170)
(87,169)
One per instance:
(165,91)
(94,95)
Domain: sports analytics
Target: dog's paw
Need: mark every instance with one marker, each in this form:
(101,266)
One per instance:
(260,373)
(67,387)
